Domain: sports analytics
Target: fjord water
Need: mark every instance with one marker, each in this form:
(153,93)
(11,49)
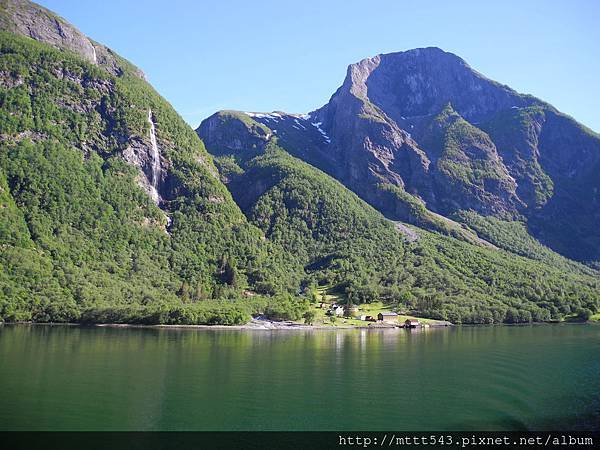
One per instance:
(465,378)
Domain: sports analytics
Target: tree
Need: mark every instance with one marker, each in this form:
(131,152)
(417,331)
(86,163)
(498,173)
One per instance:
(584,314)
(184,291)
(229,273)
(309,317)
(312,294)
(200,292)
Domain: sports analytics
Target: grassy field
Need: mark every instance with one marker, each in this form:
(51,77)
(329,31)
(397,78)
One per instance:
(595,317)
(367,309)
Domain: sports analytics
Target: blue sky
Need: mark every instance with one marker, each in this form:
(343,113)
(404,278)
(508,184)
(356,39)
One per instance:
(268,55)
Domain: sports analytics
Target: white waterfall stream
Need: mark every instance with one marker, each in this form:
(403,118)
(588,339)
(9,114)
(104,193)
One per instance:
(155,161)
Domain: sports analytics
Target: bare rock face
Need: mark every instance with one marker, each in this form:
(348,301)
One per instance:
(422,82)
(424,121)
(386,118)
(34,21)
(38,23)
(139,153)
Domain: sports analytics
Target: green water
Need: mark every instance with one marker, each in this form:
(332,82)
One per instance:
(470,378)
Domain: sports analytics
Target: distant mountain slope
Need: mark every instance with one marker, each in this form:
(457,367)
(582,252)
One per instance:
(345,243)
(420,131)
(107,197)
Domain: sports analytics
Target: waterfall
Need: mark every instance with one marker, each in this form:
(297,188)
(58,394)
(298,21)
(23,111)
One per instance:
(154,161)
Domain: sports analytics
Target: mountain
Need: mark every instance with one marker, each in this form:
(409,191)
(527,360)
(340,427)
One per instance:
(109,201)
(112,210)
(419,134)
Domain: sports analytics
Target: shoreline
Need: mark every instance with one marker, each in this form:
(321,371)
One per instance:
(271,326)
(280,326)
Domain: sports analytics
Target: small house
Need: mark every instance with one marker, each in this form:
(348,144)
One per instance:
(387,316)
(370,318)
(336,310)
(412,323)
(363,317)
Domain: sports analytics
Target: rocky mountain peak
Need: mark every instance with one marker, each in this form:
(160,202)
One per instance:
(422,81)
(36,22)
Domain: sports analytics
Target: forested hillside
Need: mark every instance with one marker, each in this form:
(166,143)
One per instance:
(344,243)
(79,231)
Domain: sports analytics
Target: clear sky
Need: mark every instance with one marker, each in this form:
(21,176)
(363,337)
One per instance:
(291,55)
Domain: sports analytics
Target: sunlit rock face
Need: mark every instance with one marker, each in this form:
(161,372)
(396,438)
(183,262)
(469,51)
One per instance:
(34,21)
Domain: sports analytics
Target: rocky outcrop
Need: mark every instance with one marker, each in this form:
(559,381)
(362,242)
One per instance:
(422,82)
(382,120)
(36,22)
(233,131)
(139,153)
(29,19)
